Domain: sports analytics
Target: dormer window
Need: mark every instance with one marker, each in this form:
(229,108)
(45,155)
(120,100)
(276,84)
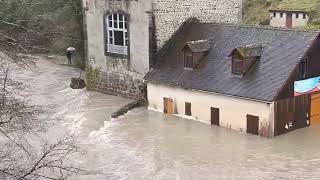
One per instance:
(194,52)
(237,67)
(188,60)
(243,58)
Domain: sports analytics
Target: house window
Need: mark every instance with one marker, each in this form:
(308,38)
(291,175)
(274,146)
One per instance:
(303,67)
(297,16)
(117,34)
(188,109)
(281,15)
(237,67)
(188,60)
(304,16)
(274,14)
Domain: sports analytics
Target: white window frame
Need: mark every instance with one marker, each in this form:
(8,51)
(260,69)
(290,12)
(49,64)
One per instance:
(114,20)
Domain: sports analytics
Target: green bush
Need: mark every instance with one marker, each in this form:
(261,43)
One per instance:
(92,77)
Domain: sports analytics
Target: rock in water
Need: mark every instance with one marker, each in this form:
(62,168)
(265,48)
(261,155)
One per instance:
(77,83)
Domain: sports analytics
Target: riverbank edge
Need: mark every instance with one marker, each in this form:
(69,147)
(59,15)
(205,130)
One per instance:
(125,109)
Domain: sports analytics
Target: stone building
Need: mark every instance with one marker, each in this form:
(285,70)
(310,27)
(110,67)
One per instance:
(123,36)
(288,18)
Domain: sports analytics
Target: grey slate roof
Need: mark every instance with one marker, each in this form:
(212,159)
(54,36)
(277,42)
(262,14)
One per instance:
(199,45)
(282,51)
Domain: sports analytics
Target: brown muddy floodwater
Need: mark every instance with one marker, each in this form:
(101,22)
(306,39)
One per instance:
(149,145)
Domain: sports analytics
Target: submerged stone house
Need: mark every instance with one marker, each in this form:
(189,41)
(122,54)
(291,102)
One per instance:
(123,37)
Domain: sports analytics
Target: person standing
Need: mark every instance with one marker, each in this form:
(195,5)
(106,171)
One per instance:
(70,51)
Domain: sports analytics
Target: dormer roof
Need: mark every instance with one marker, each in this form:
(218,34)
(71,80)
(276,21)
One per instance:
(248,51)
(199,45)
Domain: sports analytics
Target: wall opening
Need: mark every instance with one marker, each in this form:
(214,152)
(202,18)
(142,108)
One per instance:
(168,105)
(188,109)
(315,109)
(289,20)
(253,124)
(215,116)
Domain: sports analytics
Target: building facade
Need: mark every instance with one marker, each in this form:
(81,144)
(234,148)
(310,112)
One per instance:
(238,77)
(231,112)
(288,19)
(123,36)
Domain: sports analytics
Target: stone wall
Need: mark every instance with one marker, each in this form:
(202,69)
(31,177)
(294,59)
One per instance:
(170,14)
(124,84)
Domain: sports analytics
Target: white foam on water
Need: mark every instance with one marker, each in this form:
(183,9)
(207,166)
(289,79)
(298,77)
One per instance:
(149,145)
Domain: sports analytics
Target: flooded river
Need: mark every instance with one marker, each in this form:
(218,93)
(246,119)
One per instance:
(149,145)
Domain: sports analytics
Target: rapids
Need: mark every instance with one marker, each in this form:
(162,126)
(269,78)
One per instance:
(149,145)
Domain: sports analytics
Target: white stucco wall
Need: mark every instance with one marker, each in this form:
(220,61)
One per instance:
(278,21)
(281,22)
(95,40)
(139,36)
(233,110)
(300,22)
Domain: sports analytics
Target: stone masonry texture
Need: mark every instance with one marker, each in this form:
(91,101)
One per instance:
(123,84)
(170,14)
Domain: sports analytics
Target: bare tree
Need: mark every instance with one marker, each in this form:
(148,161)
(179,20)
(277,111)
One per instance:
(40,25)
(21,158)
(26,27)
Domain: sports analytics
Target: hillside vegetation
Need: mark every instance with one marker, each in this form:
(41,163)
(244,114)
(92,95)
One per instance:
(40,26)
(256,11)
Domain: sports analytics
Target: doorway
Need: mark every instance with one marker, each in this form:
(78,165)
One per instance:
(188,109)
(315,109)
(252,124)
(289,20)
(215,116)
(168,105)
